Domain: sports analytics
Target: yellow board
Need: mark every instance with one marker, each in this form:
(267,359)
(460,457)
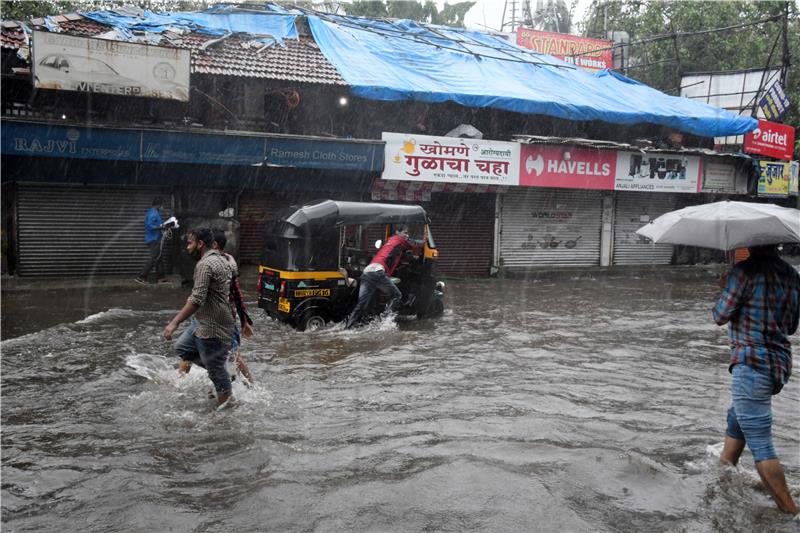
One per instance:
(287,274)
(283,305)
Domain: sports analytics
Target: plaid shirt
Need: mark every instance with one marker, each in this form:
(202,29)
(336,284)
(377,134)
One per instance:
(212,281)
(763,310)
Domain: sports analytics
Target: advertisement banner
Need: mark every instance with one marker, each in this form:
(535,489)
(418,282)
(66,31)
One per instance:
(657,172)
(718,177)
(770,139)
(567,167)
(450,160)
(82,64)
(774,178)
(794,170)
(591,54)
(775,102)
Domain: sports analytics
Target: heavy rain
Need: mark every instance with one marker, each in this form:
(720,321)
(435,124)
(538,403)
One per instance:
(457,239)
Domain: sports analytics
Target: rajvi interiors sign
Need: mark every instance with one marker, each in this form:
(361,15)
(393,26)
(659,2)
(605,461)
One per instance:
(770,139)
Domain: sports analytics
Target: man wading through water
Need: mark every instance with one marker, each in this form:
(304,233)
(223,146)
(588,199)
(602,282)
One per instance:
(208,346)
(761,300)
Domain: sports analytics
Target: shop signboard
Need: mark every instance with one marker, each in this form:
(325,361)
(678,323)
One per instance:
(770,139)
(774,178)
(46,140)
(591,54)
(567,167)
(718,177)
(71,63)
(324,154)
(450,160)
(657,172)
(794,170)
(199,148)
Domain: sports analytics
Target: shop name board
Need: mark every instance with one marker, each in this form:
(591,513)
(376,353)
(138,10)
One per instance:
(43,140)
(774,178)
(770,139)
(323,154)
(794,178)
(450,160)
(71,63)
(591,54)
(657,172)
(567,167)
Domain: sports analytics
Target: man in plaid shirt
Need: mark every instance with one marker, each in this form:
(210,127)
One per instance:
(760,300)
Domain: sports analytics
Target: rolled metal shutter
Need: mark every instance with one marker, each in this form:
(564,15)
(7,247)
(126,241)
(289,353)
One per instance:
(255,208)
(550,227)
(82,230)
(463,229)
(632,211)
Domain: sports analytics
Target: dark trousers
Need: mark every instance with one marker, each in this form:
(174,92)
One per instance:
(371,282)
(153,261)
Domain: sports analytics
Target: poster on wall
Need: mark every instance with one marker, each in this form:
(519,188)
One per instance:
(770,139)
(774,178)
(70,63)
(718,177)
(657,172)
(794,170)
(450,160)
(567,167)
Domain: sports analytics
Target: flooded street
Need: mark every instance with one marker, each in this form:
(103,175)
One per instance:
(591,404)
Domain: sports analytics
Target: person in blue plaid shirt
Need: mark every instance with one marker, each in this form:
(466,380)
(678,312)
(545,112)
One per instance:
(760,301)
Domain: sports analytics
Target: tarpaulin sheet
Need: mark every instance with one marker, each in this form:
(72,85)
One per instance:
(218,22)
(404,60)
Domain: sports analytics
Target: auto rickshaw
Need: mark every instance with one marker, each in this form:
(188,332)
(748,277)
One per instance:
(314,254)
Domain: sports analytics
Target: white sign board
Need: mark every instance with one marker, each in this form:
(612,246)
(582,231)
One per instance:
(718,177)
(70,63)
(657,172)
(450,160)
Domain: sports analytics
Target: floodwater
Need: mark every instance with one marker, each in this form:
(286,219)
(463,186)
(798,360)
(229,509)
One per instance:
(593,404)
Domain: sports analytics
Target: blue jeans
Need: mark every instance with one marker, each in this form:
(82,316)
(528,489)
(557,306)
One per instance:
(750,416)
(210,354)
(371,282)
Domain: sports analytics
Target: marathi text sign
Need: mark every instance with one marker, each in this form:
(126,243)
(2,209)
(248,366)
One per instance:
(71,63)
(774,178)
(591,54)
(657,172)
(450,160)
(567,167)
(770,139)
(718,177)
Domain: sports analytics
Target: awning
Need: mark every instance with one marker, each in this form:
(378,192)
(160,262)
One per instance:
(405,60)
(420,191)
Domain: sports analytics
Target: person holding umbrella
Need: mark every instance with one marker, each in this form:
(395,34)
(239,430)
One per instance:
(760,301)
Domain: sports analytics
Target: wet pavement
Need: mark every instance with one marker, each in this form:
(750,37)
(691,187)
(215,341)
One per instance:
(586,402)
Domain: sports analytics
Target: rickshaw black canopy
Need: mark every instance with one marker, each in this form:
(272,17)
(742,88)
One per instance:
(332,213)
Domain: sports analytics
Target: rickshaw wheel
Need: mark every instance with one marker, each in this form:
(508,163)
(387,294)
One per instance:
(311,320)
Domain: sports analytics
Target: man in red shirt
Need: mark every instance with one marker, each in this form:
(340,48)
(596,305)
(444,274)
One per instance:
(377,275)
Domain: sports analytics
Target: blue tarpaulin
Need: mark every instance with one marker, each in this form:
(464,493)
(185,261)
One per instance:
(404,60)
(278,24)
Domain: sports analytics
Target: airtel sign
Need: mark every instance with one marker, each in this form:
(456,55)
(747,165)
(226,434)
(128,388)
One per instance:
(770,139)
(567,166)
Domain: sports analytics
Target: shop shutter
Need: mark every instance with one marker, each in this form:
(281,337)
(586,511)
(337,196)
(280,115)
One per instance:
(632,211)
(550,227)
(82,230)
(463,228)
(255,208)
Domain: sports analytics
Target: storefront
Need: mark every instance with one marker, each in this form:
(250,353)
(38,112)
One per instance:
(80,194)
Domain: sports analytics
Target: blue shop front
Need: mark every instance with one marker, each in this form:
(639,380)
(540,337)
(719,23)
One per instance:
(87,189)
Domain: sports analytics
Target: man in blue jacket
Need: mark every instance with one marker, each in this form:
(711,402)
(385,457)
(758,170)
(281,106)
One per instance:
(152,239)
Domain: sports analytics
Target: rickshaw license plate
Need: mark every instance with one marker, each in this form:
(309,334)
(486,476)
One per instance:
(312,292)
(283,305)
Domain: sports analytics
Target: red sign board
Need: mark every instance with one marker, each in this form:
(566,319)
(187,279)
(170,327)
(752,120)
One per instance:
(567,167)
(770,139)
(591,54)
